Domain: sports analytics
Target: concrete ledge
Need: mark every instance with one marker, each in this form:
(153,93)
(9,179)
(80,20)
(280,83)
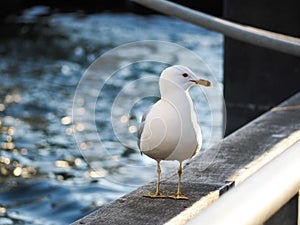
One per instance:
(210,174)
(135,209)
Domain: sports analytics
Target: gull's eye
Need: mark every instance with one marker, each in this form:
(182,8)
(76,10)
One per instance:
(185,75)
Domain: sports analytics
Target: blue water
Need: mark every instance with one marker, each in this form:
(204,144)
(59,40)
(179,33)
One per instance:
(44,178)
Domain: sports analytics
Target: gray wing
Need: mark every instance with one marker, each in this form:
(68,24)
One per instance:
(141,128)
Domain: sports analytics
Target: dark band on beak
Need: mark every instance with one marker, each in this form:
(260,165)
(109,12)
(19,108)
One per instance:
(202,82)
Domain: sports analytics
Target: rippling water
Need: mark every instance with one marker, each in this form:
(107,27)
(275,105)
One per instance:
(44,178)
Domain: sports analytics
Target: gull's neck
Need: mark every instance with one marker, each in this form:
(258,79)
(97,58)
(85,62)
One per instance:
(173,93)
(181,100)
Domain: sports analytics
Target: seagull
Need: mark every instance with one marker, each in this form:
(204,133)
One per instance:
(169,130)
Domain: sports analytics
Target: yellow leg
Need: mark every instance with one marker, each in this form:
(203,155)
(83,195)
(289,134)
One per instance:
(157,193)
(178,194)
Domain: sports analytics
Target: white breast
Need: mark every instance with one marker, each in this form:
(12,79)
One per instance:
(171,131)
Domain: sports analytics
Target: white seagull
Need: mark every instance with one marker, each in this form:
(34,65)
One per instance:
(169,130)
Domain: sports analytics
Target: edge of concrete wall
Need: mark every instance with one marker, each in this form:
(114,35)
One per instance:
(209,174)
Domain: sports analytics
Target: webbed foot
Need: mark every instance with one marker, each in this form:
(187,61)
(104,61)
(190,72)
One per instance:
(155,195)
(178,196)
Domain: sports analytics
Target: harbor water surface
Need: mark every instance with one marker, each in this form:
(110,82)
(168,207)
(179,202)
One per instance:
(44,177)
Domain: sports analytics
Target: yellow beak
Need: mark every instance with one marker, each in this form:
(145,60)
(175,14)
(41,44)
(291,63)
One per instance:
(203,82)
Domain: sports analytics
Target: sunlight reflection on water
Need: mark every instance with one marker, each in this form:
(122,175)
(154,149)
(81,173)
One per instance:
(44,178)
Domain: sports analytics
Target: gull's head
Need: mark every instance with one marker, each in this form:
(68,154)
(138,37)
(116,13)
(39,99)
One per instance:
(182,77)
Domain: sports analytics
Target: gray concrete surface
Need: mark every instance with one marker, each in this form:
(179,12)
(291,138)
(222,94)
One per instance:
(206,172)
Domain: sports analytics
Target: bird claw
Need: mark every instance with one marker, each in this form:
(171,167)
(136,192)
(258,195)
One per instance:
(178,196)
(155,195)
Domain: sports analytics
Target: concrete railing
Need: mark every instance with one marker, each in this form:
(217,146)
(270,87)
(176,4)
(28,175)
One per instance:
(260,196)
(259,37)
(238,157)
